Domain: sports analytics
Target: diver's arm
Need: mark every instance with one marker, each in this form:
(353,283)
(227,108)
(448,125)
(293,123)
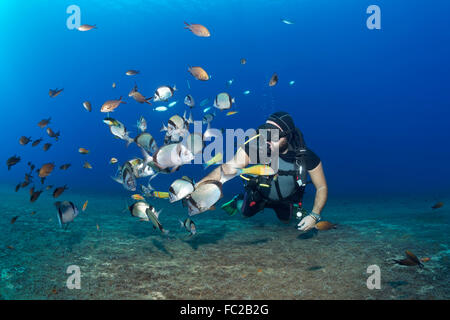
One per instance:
(228,170)
(318,179)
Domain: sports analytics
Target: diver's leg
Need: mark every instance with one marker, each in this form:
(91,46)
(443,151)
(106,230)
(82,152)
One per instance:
(283,211)
(252,203)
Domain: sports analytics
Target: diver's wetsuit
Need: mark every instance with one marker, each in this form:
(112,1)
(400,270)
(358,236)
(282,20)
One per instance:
(256,198)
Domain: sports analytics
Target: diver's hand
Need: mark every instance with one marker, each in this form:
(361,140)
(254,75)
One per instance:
(307,223)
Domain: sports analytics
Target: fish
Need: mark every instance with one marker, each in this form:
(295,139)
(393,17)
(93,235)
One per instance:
(86,27)
(46,170)
(46,146)
(189,101)
(198,29)
(146,141)
(223,101)
(189,225)
(48,187)
(169,156)
(142,124)
(273,80)
(153,217)
(113,160)
(161,109)
(65,166)
(243,61)
(216,159)
(24,140)
(42,180)
(285,21)
(83,151)
(198,73)
(207,118)
(119,131)
(160,194)
(54,93)
(66,212)
(31,191)
(258,170)
(58,191)
(33,213)
(206,109)
(18,187)
(132,72)
(438,205)
(84,206)
(204,102)
(230,113)
(35,195)
(246,92)
(126,177)
(14,219)
(325,225)
(194,143)
(98,227)
(114,85)
(10,247)
(177,127)
(136,95)
(111,122)
(52,134)
(230,82)
(36,142)
(172,104)
(180,189)
(426,259)
(203,198)
(87,106)
(291,83)
(411,260)
(110,105)
(87,165)
(137,197)
(43,123)
(24,184)
(164,93)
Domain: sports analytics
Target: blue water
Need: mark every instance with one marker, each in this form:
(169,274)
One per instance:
(373,105)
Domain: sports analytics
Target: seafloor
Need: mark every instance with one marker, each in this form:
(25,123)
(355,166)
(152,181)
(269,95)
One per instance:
(230,258)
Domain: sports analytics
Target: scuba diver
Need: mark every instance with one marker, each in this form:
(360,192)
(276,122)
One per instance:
(282,192)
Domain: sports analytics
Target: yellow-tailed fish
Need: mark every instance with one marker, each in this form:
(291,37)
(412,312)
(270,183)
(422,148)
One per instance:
(161,195)
(217,158)
(258,170)
(230,113)
(137,197)
(113,160)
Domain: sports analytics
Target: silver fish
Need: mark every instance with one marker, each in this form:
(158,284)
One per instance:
(67,212)
(125,177)
(180,189)
(142,124)
(169,156)
(146,141)
(189,225)
(164,93)
(204,197)
(189,101)
(223,101)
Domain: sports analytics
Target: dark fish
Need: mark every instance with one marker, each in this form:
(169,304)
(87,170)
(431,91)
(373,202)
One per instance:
(132,72)
(438,205)
(46,169)
(273,80)
(12,161)
(48,187)
(58,191)
(54,93)
(28,177)
(18,187)
(42,180)
(46,146)
(243,61)
(44,122)
(31,191)
(52,134)
(14,219)
(65,166)
(24,184)
(24,140)
(35,195)
(411,260)
(32,167)
(36,142)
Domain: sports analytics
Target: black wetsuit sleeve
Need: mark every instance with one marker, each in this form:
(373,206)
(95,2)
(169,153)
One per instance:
(312,160)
